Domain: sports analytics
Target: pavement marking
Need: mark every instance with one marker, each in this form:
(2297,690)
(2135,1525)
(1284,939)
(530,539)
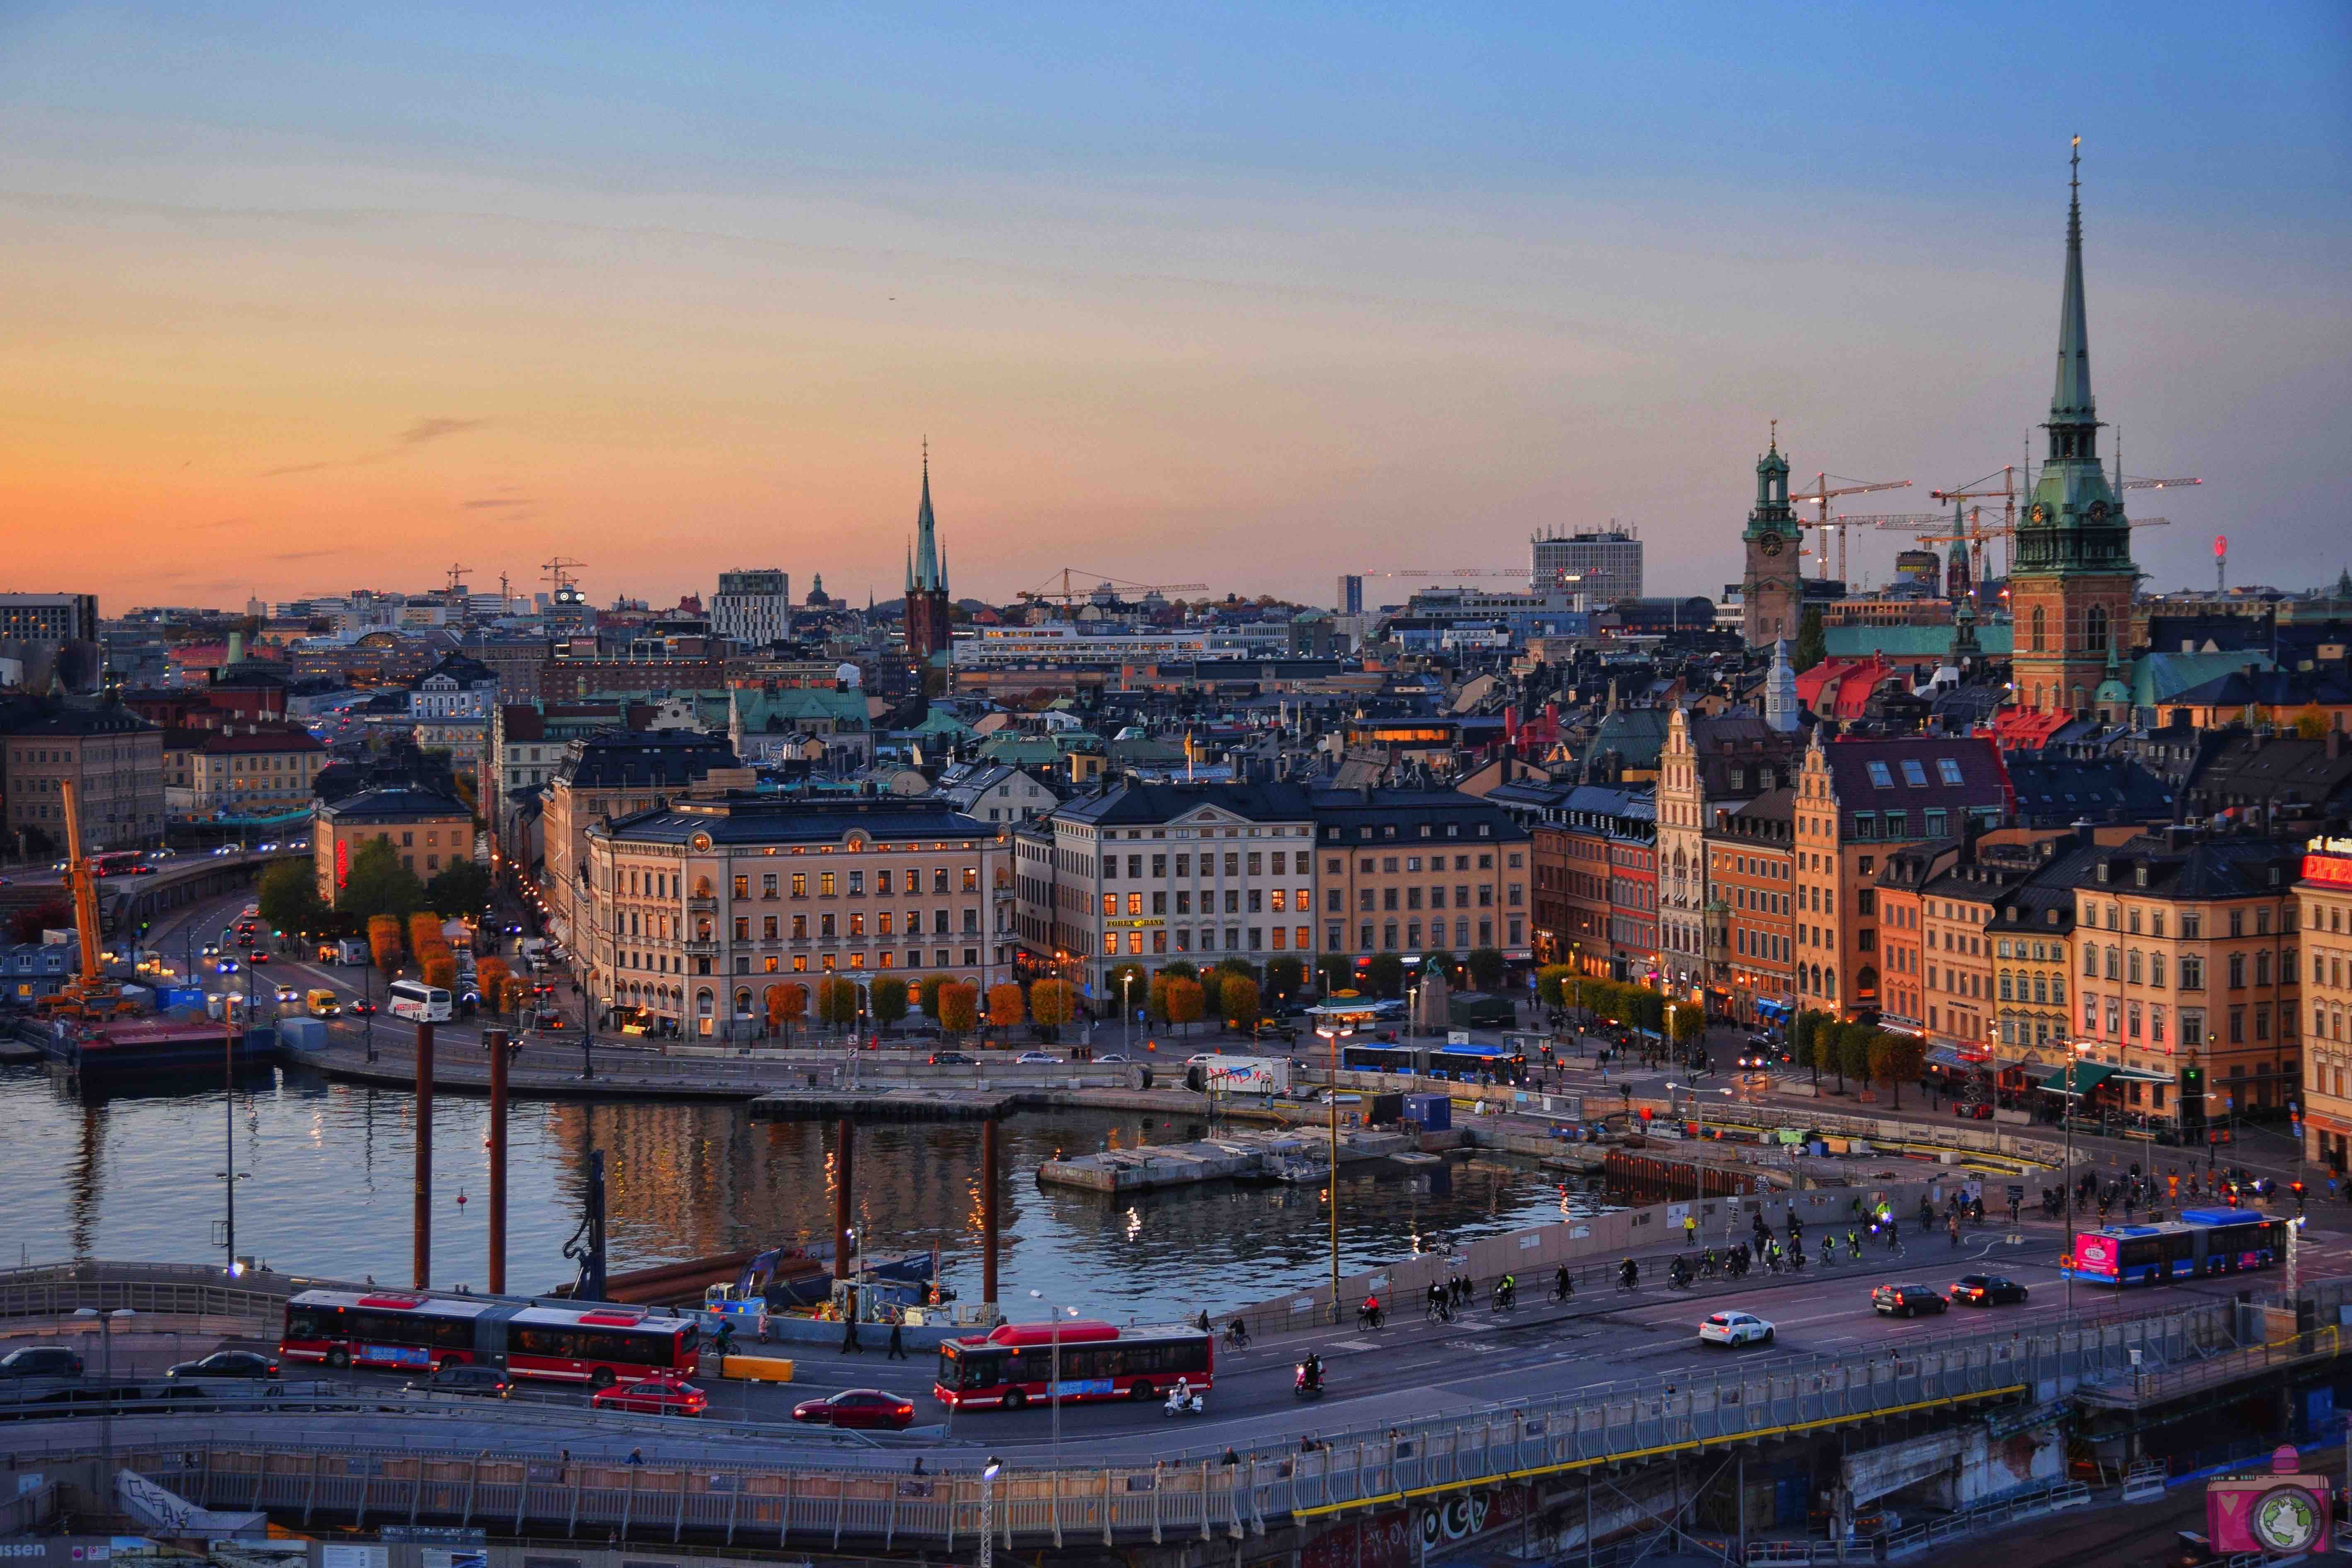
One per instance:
(1354,1345)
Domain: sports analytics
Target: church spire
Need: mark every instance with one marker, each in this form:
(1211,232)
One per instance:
(926,544)
(2070,399)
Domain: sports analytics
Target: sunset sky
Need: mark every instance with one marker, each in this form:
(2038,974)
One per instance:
(303,298)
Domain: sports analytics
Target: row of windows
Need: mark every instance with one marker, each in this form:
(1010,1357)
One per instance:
(1281,939)
(1335,935)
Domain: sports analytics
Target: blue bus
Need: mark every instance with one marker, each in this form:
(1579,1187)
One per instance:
(2201,1242)
(1460,1064)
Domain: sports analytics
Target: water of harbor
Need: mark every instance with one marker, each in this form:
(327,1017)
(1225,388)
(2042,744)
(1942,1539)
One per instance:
(327,1170)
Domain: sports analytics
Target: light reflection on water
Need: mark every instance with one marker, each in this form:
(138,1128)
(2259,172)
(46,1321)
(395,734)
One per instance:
(331,1192)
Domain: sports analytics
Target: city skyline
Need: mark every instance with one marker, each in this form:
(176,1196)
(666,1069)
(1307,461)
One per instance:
(632,302)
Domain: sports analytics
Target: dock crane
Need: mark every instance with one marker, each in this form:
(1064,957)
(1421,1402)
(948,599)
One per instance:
(1820,496)
(89,994)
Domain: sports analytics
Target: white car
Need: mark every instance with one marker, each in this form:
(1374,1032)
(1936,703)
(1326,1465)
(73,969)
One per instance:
(1035,1059)
(1734,1328)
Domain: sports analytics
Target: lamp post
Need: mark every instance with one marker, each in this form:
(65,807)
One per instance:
(1126,1009)
(587,1032)
(2069,1074)
(1334,1031)
(106,1321)
(988,1474)
(1054,1393)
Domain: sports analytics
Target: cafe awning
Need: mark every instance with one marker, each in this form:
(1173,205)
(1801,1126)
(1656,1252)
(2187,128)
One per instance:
(2088,1076)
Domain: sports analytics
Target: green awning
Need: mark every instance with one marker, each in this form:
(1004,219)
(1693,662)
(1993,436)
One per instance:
(2088,1076)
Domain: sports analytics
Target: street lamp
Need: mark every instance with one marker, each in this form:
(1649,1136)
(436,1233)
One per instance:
(1126,1008)
(587,1033)
(106,1321)
(1054,1393)
(1334,1025)
(989,1472)
(2067,1079)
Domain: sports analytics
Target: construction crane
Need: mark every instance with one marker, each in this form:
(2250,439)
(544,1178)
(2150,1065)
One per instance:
(1822,494)
(456,576)
(89,994)
(1067,595)
(558,572)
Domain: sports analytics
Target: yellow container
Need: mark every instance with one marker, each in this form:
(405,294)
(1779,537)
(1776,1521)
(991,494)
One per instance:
(756,1368)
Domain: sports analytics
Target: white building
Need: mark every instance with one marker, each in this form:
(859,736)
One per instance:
(752,607)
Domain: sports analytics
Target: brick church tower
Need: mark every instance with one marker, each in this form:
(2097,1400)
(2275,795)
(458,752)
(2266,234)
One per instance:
(927,581)
(2071,574)
(1773,587)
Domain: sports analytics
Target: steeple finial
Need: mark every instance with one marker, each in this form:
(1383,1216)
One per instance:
(2070,400)
(1775,443)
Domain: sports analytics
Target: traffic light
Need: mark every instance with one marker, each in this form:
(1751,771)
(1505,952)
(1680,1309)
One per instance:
(2192,1098)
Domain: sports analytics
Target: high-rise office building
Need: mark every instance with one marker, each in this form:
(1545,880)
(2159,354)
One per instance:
(1604,564)
(1350,600)
(752,607)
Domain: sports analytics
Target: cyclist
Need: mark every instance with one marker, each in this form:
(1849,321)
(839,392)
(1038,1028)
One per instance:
(1628,1276)
(1562,1286)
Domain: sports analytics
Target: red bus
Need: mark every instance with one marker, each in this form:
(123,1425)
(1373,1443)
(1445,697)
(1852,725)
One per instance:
(594,1345)
(120,863)
(1014,1366)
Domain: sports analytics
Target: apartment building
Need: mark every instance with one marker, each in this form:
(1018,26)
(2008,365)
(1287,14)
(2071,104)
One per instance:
(618,773)
(753,607)
(113,758)
(1857,801)
(2186,973)
(2324,916)
(247,770)
(1413,872)
(1750,921)
(1146,872)
(1707,765)
(429,831)
(691,907)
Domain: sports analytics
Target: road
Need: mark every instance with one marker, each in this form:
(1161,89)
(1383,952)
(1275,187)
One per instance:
(1413,1370)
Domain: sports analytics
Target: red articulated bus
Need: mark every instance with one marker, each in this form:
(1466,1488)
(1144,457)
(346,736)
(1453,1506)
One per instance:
(1015,1365)
(595,1345)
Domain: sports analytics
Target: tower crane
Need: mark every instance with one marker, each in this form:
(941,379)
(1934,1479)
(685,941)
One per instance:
(456,576)
(558,572)
(1820,496)
(1067,595)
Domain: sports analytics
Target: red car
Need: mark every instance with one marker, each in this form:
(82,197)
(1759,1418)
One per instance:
(364,1009)
(659,1395)
(858,1407)
(257,956)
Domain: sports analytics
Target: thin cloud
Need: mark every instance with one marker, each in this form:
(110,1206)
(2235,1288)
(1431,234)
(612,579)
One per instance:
(416,434)
(495,502)
(426,430)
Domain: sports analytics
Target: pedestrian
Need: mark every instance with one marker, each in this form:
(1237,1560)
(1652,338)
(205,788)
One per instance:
(898,1346)
(849,1337)
(1231,1457)
(1203,1323)
(636,1457)
(918,1464)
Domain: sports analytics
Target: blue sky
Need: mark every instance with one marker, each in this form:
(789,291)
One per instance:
(1164,286)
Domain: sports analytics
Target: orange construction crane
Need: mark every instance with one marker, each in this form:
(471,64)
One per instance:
(1822,494)
(89,994)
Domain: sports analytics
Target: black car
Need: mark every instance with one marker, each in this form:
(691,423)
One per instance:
(226,1363)
(1906,1300)
(950,1059)
(1987,1291)
(40,1361)
(462,1377)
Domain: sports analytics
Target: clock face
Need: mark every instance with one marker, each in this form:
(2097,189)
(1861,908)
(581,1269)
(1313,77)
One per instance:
(2038,512)
(2099,511)
(1769,543)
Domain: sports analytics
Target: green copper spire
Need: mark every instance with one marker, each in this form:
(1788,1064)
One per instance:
(2070,400)
(927,543)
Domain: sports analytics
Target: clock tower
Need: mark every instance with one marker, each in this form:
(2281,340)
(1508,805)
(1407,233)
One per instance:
(1772,590)
(2070,577)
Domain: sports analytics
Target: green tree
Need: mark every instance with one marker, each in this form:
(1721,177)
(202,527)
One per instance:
(926,992)
(887,998)
(959,1007)
(1825,1050)
(1125,986)
(378,884)
(1184,968)
(460,887)
(1487,966)
(288,896)
(1813,645)
(1854,1051)
(1385,976)
(1052,1003)
(837,1002)
(1894,1057)
(1447,966)
(1334,973)
(1283,976)
(1552,985)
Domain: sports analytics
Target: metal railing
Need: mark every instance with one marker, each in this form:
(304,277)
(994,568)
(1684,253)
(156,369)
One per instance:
(844,1496)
